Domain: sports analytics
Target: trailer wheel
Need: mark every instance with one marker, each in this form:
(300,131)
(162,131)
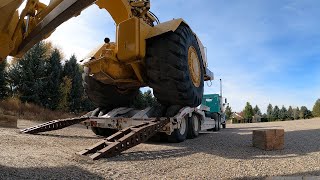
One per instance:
(106,132)
(224,125)
(175,68)
(194,127)
(179,135)
(216,117)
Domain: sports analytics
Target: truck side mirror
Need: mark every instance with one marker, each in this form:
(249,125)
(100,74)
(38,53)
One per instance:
(225,100)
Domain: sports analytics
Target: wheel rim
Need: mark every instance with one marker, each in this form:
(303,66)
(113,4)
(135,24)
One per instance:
(183,126)
(194,66)
(195,123)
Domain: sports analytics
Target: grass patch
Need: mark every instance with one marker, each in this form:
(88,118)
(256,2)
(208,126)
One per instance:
(28,111)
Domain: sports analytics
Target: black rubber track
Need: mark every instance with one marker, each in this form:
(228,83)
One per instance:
(167,68)
(106,96)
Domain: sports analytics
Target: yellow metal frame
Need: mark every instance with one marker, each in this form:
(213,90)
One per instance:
(120,63)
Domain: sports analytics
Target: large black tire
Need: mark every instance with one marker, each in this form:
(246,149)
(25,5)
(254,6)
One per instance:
(106,96)
(224,125)
(103,131)
(168,70)
(194,127)
(179,135)
(216,117)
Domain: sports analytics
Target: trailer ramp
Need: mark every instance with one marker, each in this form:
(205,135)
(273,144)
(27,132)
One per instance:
(54,125)
(125,139)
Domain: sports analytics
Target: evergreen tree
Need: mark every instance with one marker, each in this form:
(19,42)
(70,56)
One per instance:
(248,111)
(303,112)
(228,112)
(144,100)
(72,71)
(283,113)
(309,114)
(28,77)
(270,112)
(290,113)
(54,70)
(256,111)
(296,113)
(65,89)
(3,80)
(316,109)
(276,113)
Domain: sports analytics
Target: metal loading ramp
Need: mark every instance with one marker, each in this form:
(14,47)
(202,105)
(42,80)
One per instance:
(54,125)
(124,139)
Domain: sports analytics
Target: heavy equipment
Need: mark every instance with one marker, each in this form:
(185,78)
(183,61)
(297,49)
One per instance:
(146,52)
(168,57)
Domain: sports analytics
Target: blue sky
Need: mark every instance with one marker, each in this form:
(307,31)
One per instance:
(265,51)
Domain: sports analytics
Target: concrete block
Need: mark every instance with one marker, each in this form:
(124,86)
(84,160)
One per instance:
(8,121)
(268,139)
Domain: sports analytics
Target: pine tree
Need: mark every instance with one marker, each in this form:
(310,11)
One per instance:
(276,113)
(54,70)
(144,100)
(270,112)
(316,109)
(72,71)
(283,113)
(228,112)
(3,80)
(248,111)
(28,77)
(303,112)
(296,113)
(290,113)
(65,89)
(256,111)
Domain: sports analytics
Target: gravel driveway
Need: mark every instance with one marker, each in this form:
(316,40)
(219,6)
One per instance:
(226,154)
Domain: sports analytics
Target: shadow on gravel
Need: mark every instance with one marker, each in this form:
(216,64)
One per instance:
(232,143)
(68,172)
(296,176)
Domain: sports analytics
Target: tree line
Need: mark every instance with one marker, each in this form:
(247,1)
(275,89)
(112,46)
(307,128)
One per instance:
(41,77)
(44,78)
(277,114)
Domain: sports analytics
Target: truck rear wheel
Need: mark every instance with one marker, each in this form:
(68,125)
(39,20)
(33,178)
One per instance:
(194,127)
(106,96)
(179,135)
(175,67)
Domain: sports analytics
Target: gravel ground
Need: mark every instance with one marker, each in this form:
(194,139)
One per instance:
(226,154)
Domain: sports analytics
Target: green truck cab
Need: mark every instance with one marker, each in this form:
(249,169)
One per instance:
(216,109)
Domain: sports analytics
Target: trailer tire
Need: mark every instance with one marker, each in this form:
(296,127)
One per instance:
(216,117)
(106,96)
(224,125)
(106,132)
(175,67)
(194,126)
(179,135)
